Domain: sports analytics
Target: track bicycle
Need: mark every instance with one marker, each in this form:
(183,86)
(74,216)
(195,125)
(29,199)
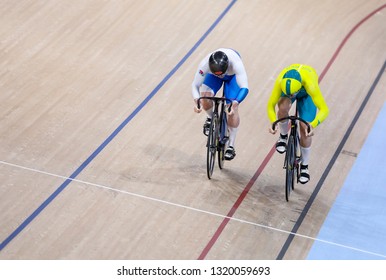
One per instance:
(293,154)
(218,132)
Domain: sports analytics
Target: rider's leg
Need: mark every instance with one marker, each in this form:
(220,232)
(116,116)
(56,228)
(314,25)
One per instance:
(210,86)
(233,124)
(305,144)
(305,147)
(231,91)
(284,106)
(307,111)
(207,104)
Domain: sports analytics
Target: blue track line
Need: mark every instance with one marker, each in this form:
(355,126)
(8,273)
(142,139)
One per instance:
(115,133)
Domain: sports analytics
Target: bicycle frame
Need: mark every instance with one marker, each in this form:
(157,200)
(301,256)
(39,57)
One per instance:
(218,132)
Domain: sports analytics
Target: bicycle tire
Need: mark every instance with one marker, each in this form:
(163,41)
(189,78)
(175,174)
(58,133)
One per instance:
(290,167)
(211,147)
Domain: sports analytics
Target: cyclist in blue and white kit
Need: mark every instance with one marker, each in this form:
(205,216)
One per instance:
(223,67)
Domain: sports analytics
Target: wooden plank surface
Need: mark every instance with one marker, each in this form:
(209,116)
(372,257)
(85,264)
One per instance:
(99,91)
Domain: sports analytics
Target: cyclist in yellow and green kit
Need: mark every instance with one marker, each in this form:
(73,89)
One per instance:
(297,82)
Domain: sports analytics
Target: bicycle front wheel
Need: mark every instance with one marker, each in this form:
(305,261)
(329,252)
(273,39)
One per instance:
(223,140)
(211,146)
(290,167)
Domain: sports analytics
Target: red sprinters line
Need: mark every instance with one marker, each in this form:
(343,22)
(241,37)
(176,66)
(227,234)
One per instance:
(345,40)
(238,202)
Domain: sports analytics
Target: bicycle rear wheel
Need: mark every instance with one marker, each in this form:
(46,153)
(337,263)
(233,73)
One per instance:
(211,146)
(290,167)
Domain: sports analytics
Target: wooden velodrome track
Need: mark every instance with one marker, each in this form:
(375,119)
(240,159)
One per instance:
(102,156)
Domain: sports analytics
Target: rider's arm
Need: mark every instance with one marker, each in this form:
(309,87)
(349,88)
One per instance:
(202,70)
(243,92)
(314,91)
(196,86)
(241,77)
(273,100)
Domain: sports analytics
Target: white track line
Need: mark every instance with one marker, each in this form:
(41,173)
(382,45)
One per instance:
(188,208)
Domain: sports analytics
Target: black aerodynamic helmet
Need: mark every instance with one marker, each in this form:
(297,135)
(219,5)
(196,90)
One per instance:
(218,62)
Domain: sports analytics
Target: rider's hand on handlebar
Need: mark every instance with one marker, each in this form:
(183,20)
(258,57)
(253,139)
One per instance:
(309,134)
(234,107)
(271,130)
(196,109)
